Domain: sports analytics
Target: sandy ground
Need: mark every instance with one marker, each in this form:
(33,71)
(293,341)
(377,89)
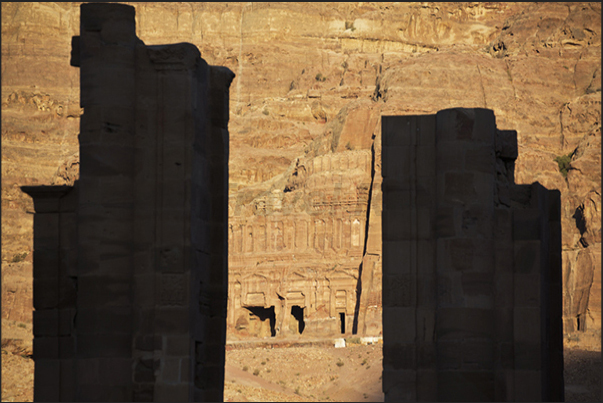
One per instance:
(17,363)
(326,374)
(582,375)
(294,374)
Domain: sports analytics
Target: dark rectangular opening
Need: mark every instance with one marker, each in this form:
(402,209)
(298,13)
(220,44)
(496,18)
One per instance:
(265,313)
(298,314)
(580,323)
(342,320)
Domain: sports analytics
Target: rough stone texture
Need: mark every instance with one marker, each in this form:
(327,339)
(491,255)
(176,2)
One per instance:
(130,270)
(305,249)
(472,307)
(312,80)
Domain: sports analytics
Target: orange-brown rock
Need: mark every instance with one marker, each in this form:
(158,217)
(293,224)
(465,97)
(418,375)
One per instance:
(312,81)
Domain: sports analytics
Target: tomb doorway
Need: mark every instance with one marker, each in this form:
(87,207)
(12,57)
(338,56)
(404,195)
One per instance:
(297,313)
(262,321)
(342,321)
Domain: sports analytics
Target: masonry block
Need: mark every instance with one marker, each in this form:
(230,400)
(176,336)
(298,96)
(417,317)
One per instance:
(392,378)
(450,355)
(404,228)
(178,392)
(454,124)
(143,392)
(459,323)
(484,128)
(398,161)
(400,325)
(503,257)
(527,385)
(476,221)
(170,319)
(427,288)
(178,346)
(170,371)
(450,292)
(465,386)
(478,354)
(424,222)
(460,253)
(527,355)
(46,348)
(87,370)
(506,144)
(451,157)
(427,355)
(144,373)
(477,284)
(485,186)
(505,355)
(480,158)
(46,380)
(503,385)
(92,289)
(115,371)
(527,257)
(526,324)
(504,289)
(208,377)
(426,161)
(504,320)
(46,263)
(402,392)
(46,322)
(67,347)
(186,369)
(107,393)
(459,187)
(117,318)
(400,291)
(427,385)
(526,224)
(396,199)
(399,127)
(67,384)
(46,293)
(527,290)
(445,225)
(105,345)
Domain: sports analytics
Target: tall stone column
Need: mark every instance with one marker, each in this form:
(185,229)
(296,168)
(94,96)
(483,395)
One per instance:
(471,265)
(149,220)
(107,61)
(55,287)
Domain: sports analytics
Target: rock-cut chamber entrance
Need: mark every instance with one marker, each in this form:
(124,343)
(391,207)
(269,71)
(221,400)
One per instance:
(261,322)
(298,324)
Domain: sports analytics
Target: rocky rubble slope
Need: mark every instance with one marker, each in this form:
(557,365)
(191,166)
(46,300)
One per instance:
(313,79)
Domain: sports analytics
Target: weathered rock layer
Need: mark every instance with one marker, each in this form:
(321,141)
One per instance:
(312,81)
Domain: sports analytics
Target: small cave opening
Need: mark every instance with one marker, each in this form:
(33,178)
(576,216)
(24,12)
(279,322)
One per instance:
(265,313)
(342,320)
(581,223)
(298,314)
(580,323)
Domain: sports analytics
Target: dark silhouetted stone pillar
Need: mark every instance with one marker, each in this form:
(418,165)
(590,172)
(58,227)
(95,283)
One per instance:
(472,265)
(149,249)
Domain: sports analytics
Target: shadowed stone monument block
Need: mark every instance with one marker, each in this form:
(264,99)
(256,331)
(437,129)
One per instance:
(130,265)
(471,272)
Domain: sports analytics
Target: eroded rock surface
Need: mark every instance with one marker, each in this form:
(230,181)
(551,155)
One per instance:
(312,81)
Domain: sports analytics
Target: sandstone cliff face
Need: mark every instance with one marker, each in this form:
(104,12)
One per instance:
(312,81)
